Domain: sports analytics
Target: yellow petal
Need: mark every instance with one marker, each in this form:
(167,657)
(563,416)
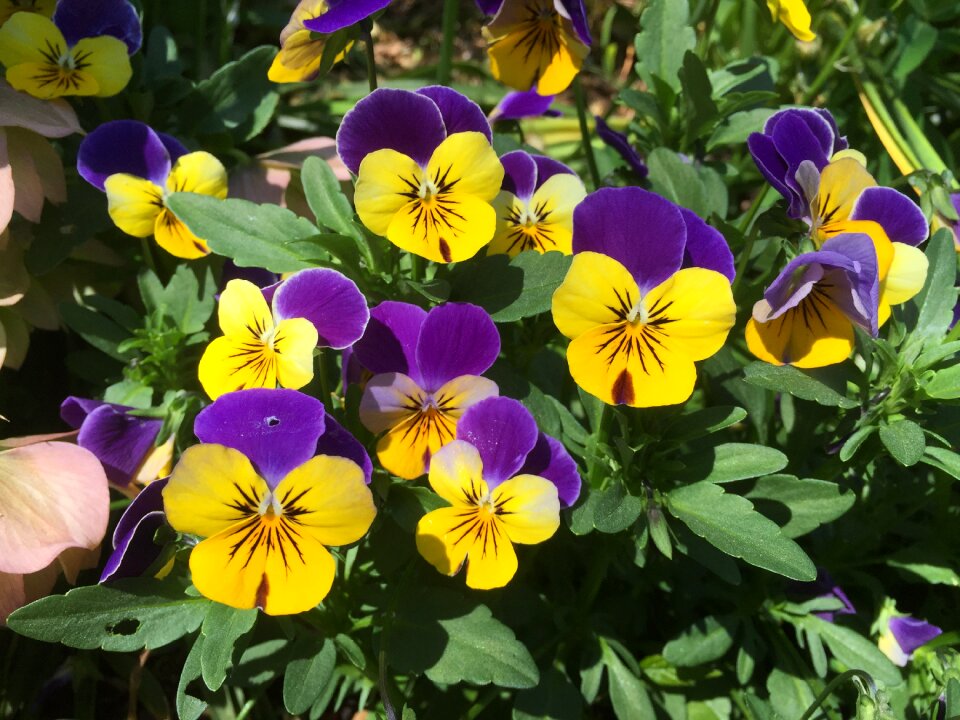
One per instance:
(133,203)
(176,238)
(27,38)
(211,489)
(388,399)
(449,228)
(298,59)
(793,14)
(48,80)
(198,172)
(528,508)
(9,7)
(907,274)
(491,560)
(230,364)
(104,58)
(595,288)
(439,539)
(816,333)
(384,181)
(327,498)
(841,183)
(881,242)
(294,341)
(562,67)
(243,311)
(467,164)
(456,474)
(462,392)
(698,311)
(405,450)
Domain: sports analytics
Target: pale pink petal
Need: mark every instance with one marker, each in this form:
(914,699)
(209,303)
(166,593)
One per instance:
(50,118)
(28,198)
(55,497)
(259,184)
(14,278)
(46,163)
(37,308)
(6,184)
(11,595)
(15,442)
(292,156)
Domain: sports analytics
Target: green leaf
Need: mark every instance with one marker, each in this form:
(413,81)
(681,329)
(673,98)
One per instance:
(917,40)
(730,523)
(665,35)
(790,695)
(709,420)
(735,461)
(697,95)
(735,129)
(610,511)
(706,640)
(96,328)
(351,650)
(184,300)
(628,694)
(307,677)
(936,301)
(855,651)
(904,441)
(799,506)
(819,387)
(856,439)
(408,503)
(266,236)
(189,707)
(123,616)
(933,574)
(555,698)
(325,198)
(453,639)
(510,289)
(945,385)
(677,180)
(942,459)
(221,629)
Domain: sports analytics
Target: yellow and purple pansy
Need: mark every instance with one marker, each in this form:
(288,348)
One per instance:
(427,369)
(536,44)
(795,17)
(647,295)
(426,172)
(517,105)
(806,316)
(535,205)
(137,168)
(904,635)
(621,144)
(303,39)
(82,50)
(505,482)
(266,503)
(264,346)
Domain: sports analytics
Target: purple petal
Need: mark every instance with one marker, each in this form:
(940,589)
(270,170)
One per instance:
(258,276)
(518,105)
(519,174)
(839,143)
(860,304)
(901,218)
(575,10)
(550,460)
(547,167)
(174,147)
(503,431)
(78,19)
(910,633)
(706,247)
(120,441)
(774,169)
(619,142)
(329,300)
(397,119)
(337,440)
(389,343)
(641,230)
(74,410)
(489,7)
(456,339)
(460,113)
(352,370)
(134,549)
(344,13)
(276,429)
(798,138)
(123,146)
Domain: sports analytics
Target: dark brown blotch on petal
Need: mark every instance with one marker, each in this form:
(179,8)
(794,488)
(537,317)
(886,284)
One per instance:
(623,389)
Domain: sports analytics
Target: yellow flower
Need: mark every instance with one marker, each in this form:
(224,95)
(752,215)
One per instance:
(300,49)
(793,14)
(41,7)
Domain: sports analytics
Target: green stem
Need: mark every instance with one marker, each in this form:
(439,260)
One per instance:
(451,12)
(416,268)
(371,61)
(599,436)
(322,374)
(585,131)
(830,65)
(384,693)
(833,685)
(745,227)
(246,709)
(704,44)
(148,254)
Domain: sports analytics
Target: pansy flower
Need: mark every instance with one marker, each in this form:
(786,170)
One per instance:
(137,168)
(903,635)
(619,142)
(427,368)
(263,347)
(538,43)
(266,504)
(124,443)
(426,172)
(648,294)
(501,492)
(41,7)
(806,316)
(301,50)
(535,205)
(517,105)
(83,50)
(794,15)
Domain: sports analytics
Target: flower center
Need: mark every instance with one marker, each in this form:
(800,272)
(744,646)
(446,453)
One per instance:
(638,313)
(270,507)
(486,508)
(428,190)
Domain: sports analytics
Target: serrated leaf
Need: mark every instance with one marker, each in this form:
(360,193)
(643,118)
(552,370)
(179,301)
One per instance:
(628,695)
(855,651)
(124,616)
(510,289)
(936,300)
(221,629)
(800,506)
(904,440)
(452,639)
(706,640)
(734,461)
(665,35)
(189,707)
(806,385)
(704,422)
(307,677)
(266,236)
(730,523)
(184,300)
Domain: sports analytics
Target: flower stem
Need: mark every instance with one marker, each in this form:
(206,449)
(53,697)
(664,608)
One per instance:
(148,255)
(585,131)
(599,437)
(834,684)
(451,12)
(371,60)
(829,66)
(745,226)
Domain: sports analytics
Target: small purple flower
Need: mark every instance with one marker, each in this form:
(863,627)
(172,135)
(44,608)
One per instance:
(517,105)
(789,138)
(903,635)
(122,442)
(427,371)
(618,141)
(344,13)
(824,587)
(79,19)
(129,147)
